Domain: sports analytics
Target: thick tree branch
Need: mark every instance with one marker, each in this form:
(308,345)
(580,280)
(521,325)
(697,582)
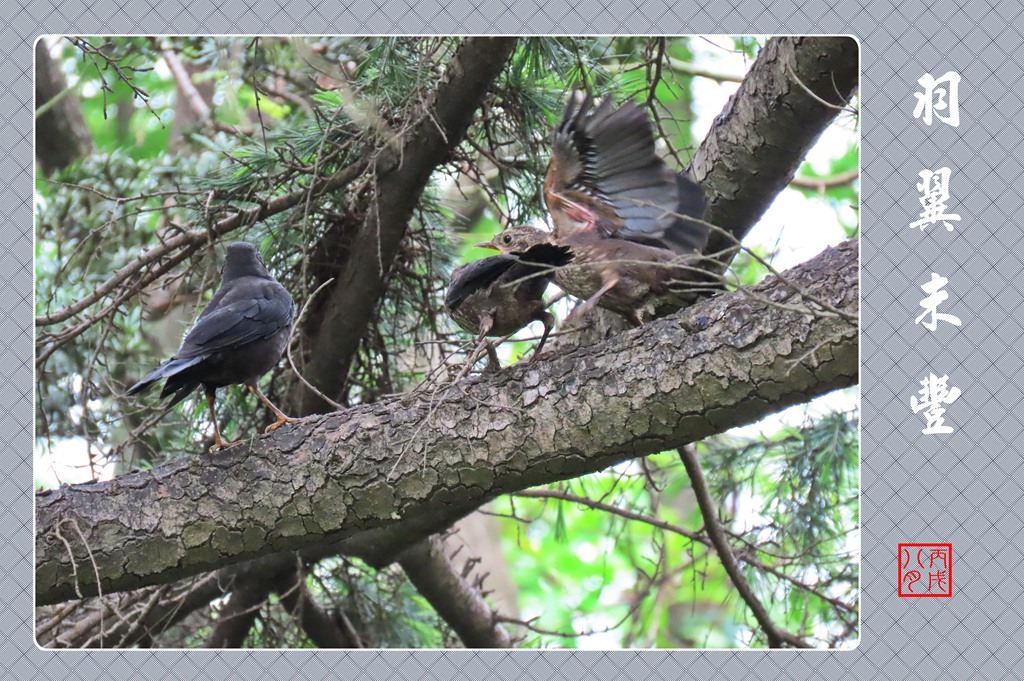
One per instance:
(410,466)
(759,140)
(123,626)
(401,174)
(456,600)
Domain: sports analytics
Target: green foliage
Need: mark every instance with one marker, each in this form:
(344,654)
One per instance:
(381,605)
(115,207)
(806,483)
(616,575)
(287,113)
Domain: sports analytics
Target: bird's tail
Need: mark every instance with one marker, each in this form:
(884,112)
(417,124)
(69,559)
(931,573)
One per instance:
(169,370)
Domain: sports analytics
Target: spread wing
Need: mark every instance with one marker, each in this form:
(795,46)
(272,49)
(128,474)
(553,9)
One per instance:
(610,155)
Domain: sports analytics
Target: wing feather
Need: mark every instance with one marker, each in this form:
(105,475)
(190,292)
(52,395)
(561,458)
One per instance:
(250,311)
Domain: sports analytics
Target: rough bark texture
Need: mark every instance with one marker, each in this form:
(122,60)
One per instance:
(402,175)
(61,134)
(759,141)
(408,467)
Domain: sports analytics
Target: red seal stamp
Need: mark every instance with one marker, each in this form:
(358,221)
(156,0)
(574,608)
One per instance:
(925,570)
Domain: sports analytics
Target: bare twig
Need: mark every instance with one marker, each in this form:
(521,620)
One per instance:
(776,635)
(687,69)
(185,85)
(820,184)
(189,241)
(291,360)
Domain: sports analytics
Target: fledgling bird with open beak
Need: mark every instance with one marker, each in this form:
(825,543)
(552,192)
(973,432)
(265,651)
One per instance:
(240,336)
(501,294)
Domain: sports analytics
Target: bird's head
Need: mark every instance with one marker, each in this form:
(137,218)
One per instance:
(517,239)
(243,260)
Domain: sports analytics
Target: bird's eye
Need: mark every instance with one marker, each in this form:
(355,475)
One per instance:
(507,239)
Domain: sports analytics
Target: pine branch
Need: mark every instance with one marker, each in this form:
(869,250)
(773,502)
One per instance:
(400,177)
(758,142)
(410,466)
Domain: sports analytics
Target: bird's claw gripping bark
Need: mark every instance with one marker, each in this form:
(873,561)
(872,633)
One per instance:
(281,420)
(220,445)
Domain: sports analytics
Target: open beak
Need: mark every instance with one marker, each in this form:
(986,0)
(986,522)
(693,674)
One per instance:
(487,244)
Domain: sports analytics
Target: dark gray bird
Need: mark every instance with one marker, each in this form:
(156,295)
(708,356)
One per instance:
(239,337)
(498,295)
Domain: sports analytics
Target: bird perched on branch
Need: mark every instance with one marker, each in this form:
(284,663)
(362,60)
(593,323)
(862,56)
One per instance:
(625,277)
(498,295)
(239,337)
(626,218)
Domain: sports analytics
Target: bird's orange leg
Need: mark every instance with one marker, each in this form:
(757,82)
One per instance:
(486,322)
(281,417)
(219,442)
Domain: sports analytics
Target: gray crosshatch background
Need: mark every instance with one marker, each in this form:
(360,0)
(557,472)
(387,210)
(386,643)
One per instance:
(966,488)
